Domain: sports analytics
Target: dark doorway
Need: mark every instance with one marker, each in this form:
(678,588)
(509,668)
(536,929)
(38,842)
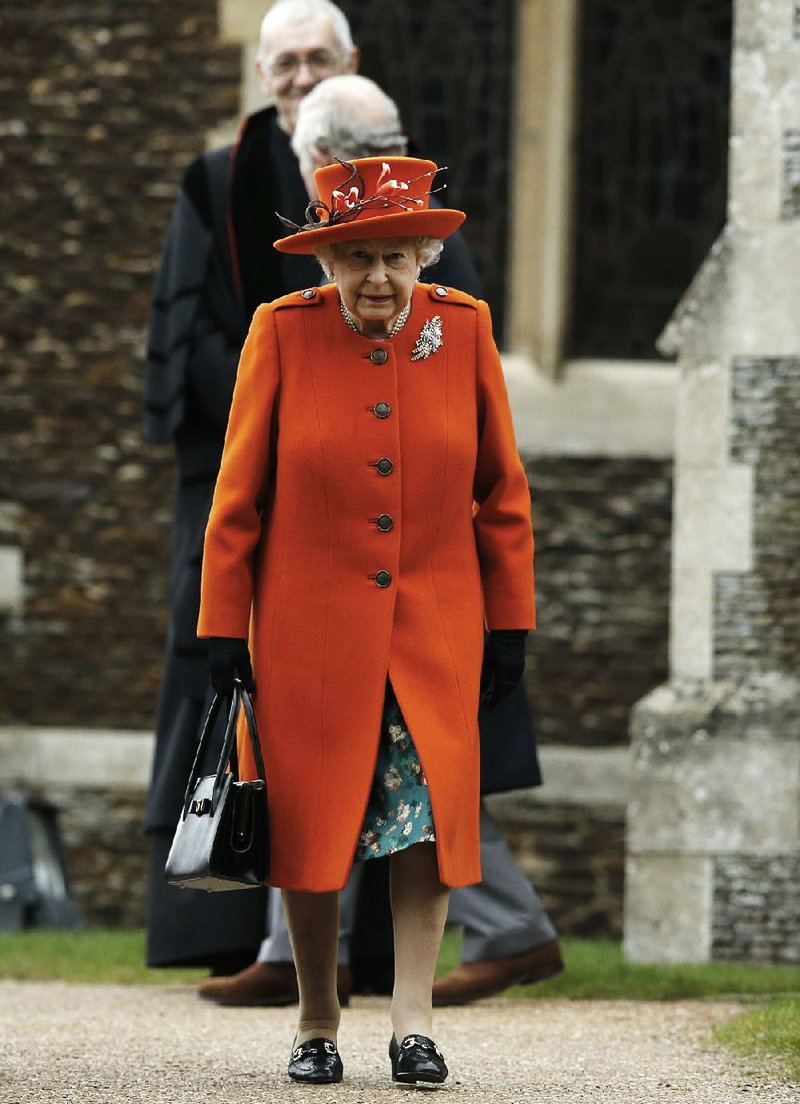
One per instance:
(652,156)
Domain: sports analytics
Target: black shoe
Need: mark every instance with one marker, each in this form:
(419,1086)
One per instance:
(417,1061)
(316,1062)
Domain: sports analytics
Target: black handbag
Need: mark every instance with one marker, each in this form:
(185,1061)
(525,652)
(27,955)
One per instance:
(222,838)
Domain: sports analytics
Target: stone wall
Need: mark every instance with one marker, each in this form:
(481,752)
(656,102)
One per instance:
(602,569)
(757,613)
(104,104)
(756,914)
(107,857)
(756,910)
(575,858)
(105,852)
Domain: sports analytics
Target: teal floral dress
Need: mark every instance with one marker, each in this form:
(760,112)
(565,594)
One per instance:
(399,808)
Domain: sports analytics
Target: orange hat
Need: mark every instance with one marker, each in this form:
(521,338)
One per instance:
(372,197)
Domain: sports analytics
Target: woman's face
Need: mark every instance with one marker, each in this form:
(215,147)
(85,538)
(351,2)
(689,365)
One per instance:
(375,280)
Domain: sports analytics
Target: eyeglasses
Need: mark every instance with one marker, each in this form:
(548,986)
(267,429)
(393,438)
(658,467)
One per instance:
(319,62)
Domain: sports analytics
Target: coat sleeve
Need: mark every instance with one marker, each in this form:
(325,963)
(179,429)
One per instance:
(191,353)
(502,518)
(234,526)
(176,298)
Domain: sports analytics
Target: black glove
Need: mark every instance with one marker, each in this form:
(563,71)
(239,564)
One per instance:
(229,656)
(503,664)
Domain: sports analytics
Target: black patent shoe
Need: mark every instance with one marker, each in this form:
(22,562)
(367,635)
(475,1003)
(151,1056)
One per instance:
(417,1061)
(316,1062)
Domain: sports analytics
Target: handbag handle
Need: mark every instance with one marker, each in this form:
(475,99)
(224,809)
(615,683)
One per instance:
(238,699)
(228,755)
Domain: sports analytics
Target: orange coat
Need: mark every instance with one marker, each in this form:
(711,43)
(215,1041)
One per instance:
(292,552)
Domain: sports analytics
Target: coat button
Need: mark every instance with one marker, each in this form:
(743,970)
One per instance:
(309,293)
(381,410)
(383,578)
(385,466)
(385,522)
(441,291)
(378,356)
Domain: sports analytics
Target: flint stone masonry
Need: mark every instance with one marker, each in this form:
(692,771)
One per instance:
(602,560)
(757,613)
(104,105)
(756,908)
(573,854)
(106,855)
(790,201)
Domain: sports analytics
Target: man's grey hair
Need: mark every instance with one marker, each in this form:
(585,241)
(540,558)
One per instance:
(300,11)
(347,116)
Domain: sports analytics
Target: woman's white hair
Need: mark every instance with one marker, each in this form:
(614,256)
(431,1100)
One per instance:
(300,11)
(428,251)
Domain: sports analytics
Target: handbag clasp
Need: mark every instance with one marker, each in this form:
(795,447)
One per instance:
(201,806)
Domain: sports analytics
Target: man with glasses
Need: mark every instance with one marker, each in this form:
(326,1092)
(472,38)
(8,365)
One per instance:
(301,43)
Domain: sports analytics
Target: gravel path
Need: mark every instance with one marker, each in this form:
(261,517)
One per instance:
(153,1045)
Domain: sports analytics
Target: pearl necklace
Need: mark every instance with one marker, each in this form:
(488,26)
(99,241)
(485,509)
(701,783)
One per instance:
(402,318)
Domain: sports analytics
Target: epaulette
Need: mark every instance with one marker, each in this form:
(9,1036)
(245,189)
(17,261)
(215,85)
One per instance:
(308,297)
(441,294)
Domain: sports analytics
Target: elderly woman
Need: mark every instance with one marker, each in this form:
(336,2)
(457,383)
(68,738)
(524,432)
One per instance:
(370,521)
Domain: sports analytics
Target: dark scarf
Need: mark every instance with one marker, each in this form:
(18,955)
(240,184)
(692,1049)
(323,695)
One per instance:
(266,179)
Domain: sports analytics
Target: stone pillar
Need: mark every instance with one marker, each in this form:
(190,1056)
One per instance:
(12,587)
(714,820)
(240,21)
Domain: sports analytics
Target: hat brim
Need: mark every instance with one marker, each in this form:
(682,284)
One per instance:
(439,222)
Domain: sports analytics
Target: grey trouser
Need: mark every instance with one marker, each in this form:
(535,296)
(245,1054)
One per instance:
(501,915)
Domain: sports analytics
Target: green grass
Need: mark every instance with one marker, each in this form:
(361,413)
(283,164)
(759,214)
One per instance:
(771,1033)
(595,969)
(93,955)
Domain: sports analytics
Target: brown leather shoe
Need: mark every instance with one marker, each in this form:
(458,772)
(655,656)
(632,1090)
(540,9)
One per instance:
(472,980)
(266,984)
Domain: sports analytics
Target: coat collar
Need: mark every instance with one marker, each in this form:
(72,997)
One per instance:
(262,167)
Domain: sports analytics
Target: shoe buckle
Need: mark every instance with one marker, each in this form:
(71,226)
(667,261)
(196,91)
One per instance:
(421,1041)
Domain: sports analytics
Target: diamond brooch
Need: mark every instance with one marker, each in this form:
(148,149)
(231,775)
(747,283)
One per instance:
(429,340)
